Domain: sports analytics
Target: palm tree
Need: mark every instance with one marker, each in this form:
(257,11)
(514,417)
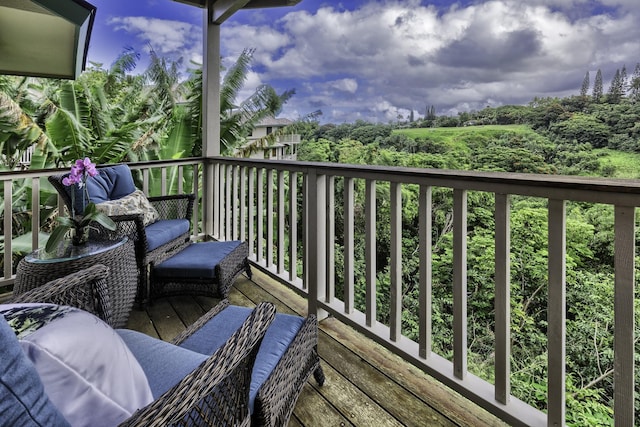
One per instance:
(236,121)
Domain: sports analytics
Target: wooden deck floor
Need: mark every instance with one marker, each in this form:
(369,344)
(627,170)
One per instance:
(366,384)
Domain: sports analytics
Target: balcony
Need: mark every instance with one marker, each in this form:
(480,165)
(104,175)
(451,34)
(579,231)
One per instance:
(287,213)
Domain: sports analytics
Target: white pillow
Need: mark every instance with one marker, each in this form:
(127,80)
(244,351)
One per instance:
(134,203)
(87,371)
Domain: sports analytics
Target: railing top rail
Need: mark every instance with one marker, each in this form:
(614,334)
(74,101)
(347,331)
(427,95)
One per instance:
(133,165)
(625,192)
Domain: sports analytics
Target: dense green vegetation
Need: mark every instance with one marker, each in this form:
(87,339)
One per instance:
(112,115)
(532,141)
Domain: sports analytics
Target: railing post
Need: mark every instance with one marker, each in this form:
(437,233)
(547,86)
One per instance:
(557,313)
(370,251)
(317,241)
(426,272)
(623,342)
(460,283)
(502,298)
(348,245)
(395,311)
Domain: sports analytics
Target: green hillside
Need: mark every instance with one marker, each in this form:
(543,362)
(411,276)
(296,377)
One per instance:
(622,163)
(457,137)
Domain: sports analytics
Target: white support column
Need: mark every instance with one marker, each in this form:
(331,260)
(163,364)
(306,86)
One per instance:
(210,111)
(317,239)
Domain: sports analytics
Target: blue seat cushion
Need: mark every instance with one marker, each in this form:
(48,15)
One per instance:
(164,364)
(23,401)
(111,183)
(164,231)
(279,336)
(197,260)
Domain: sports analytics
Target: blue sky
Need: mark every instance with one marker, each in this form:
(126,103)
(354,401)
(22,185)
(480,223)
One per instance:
(376,60)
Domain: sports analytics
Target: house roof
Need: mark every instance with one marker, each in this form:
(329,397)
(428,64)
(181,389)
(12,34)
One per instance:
(273,121)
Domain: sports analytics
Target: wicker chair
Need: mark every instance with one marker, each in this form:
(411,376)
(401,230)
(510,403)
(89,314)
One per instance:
(216,393)
(85,289)
(170,209)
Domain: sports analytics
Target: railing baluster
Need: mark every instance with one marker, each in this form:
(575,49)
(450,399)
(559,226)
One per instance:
(196,201)
(395,321)
(348,244)
(236,202)
(220,206)
(35,214)
(260,216)
(331,237)
(163,181)
(180,178)
(228,204)
(460,283)
(243,203)
(305,231)
(624,376)
(212,189)
(251,212)
(370,251)
(502,299)
(557,315)
(8,228)
(145,181)
(269,215)
(293,226)
(281,218)
(426,267)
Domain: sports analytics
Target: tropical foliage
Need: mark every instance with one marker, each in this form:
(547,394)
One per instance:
(507,148)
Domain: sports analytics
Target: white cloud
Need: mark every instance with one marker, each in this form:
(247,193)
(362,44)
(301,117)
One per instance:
(409,55)
(344,85)
(175,39)
(387,57)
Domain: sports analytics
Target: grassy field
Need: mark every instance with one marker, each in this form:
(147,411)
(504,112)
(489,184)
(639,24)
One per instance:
(457,137)
(624,164)
(627,165)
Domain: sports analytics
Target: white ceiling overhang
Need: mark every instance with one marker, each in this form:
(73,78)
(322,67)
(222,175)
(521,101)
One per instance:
(223,9)
(45,38)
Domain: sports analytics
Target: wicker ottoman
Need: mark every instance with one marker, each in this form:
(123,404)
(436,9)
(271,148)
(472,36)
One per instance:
(287,357)
(203,268)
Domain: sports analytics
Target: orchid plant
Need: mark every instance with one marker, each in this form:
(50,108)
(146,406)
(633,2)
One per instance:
(82,170)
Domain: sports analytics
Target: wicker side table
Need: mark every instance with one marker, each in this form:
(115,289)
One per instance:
(39,267)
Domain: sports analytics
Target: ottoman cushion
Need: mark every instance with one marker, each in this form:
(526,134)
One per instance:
(197,260)
(279,336)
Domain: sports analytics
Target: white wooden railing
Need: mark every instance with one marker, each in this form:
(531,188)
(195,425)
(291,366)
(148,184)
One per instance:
(267,202)
(251,203)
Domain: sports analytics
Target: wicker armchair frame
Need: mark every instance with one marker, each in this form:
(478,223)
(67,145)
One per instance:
(85,289)
(217,392)
(169,207)
(214,394)
(278,395)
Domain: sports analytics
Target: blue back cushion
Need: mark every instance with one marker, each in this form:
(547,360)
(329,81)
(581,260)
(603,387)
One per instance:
(276,341)
(111,183)
(23,401)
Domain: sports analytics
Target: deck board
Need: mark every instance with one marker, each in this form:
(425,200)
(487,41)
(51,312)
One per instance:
(366,384)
